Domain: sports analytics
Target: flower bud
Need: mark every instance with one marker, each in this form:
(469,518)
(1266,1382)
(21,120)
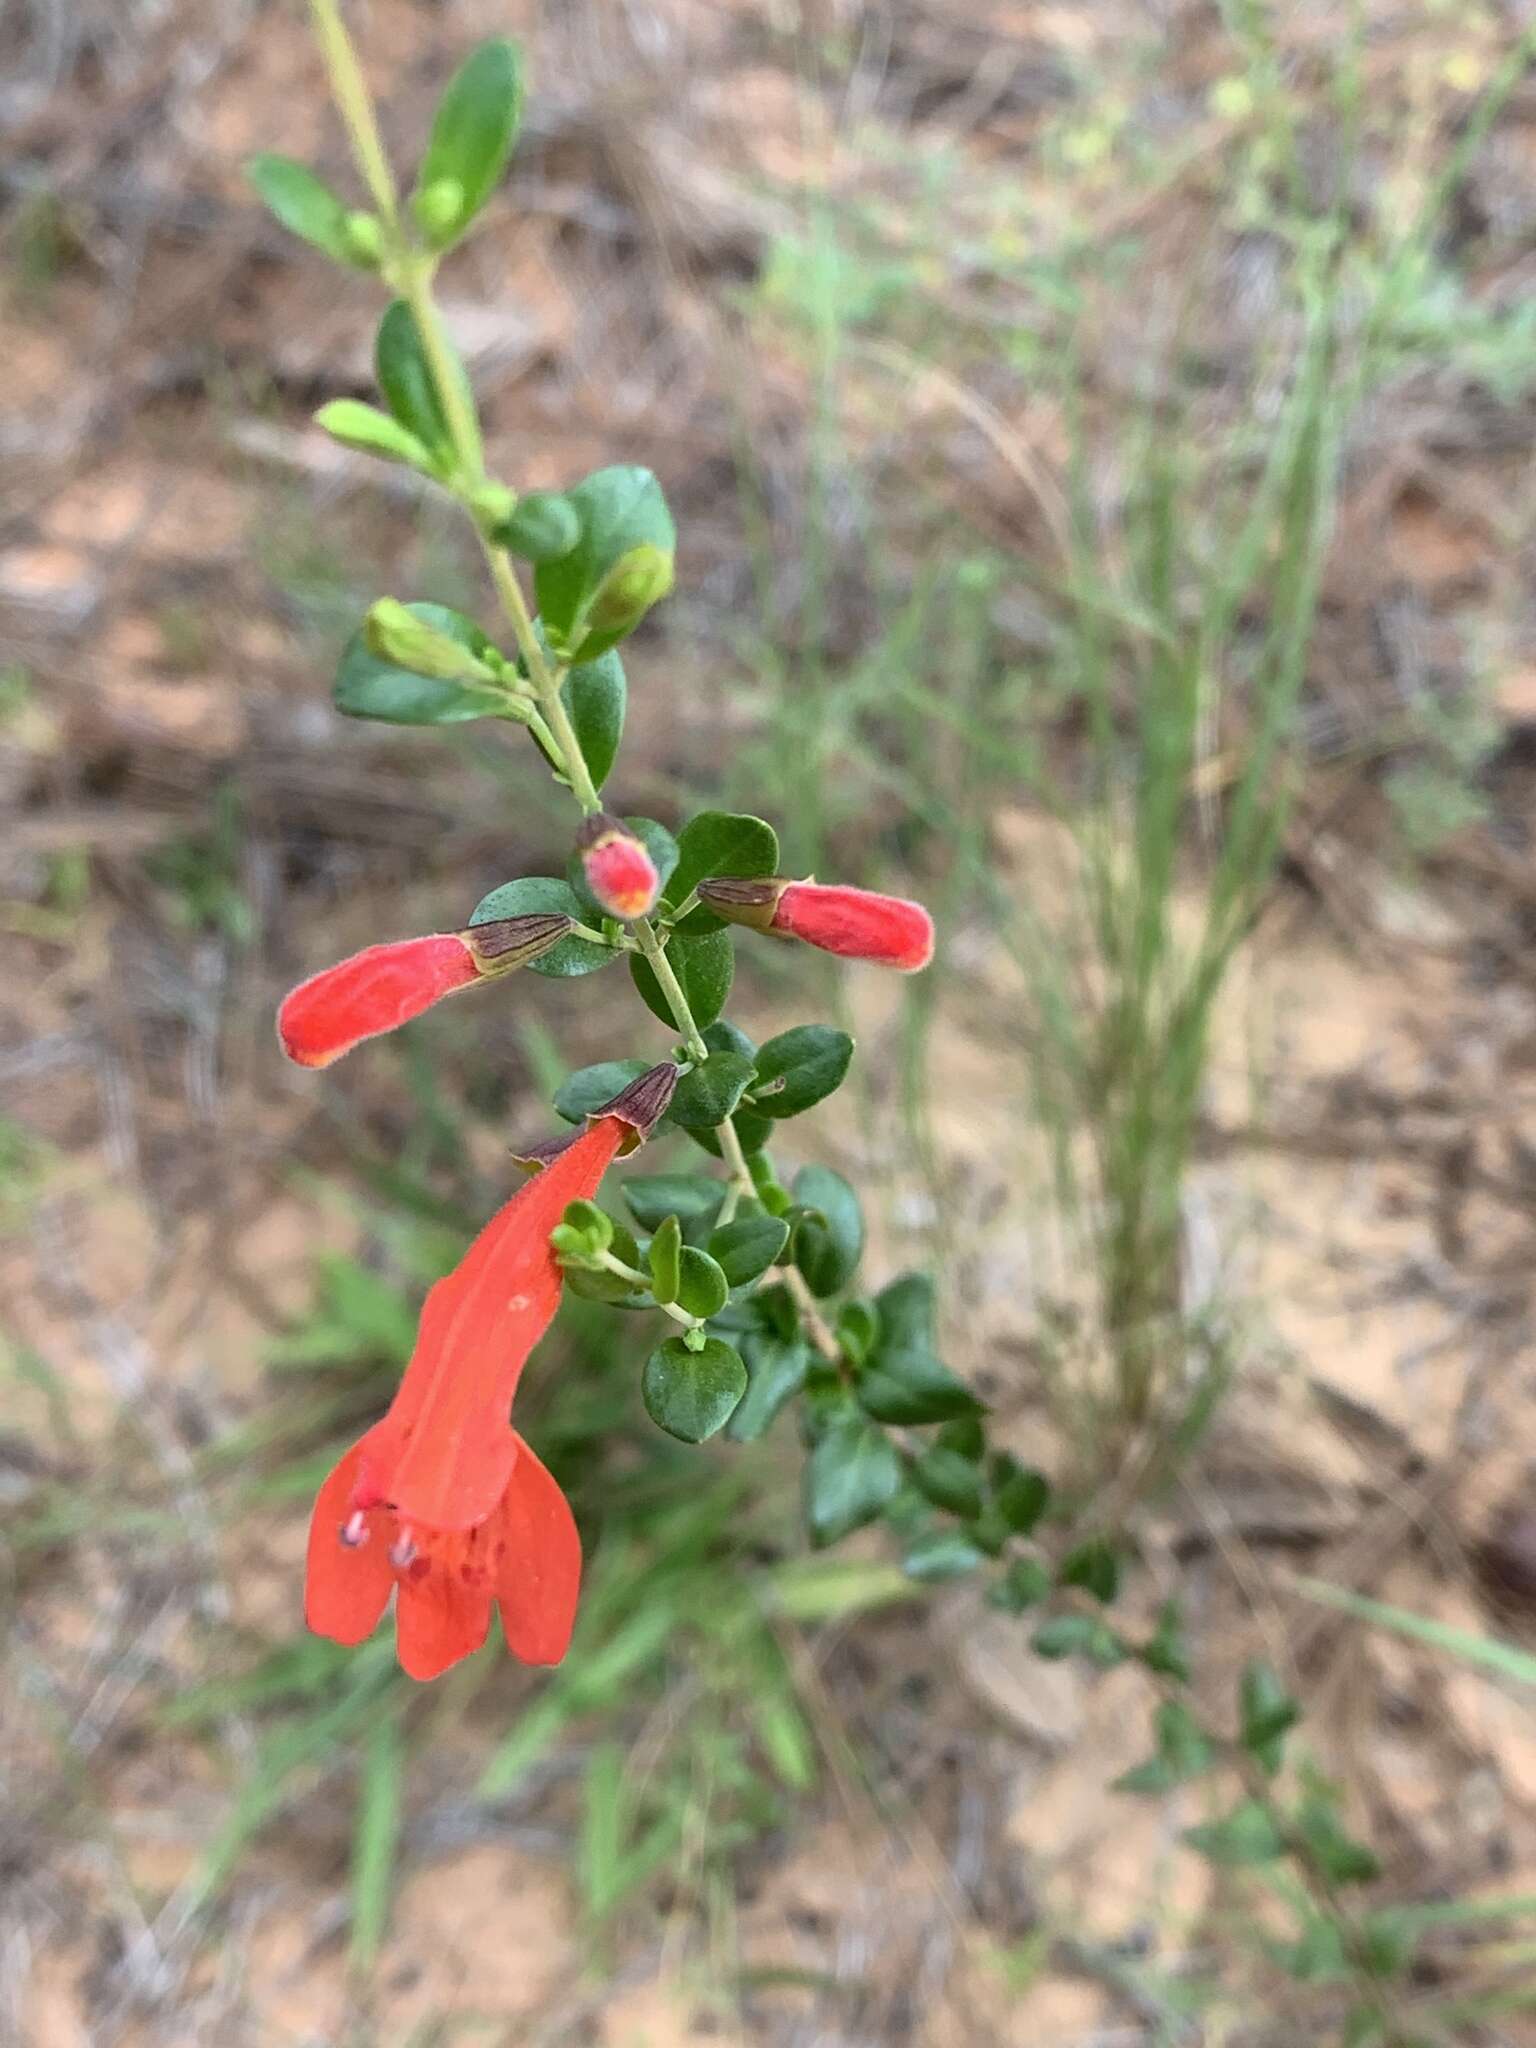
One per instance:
(385,986)
(439,209)
(395,633)
(365,239)
(856,924)
(637,580)
(618,869)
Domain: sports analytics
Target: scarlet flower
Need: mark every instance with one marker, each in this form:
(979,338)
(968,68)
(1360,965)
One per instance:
(858,924)
(618,867)
(442,1501)
(386,986)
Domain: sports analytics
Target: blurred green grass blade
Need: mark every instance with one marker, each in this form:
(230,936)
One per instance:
(1485,1651)
(376,1837)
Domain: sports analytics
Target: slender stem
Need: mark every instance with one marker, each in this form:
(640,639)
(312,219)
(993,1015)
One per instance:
(354,103)
(636,1279)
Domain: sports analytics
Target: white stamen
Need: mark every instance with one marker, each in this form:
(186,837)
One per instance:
(354,1530)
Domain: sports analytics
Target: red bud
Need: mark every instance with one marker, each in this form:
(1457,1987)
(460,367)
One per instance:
(855,923)
(618,869)
(386,986)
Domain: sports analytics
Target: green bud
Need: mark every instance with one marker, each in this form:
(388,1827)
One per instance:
(636,581)
(394,633)
(544,527)
(365,239)
(439,208)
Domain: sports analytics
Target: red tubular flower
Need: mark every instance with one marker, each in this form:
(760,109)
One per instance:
(441,1499)
(858,924)
(386,986)
(618,868)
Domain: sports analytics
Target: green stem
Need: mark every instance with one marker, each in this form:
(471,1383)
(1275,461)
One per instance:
(642,1281)
(354,103)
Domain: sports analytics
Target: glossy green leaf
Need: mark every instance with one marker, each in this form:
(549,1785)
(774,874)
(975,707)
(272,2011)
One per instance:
(368,686)
(307,208)
(777,1366)
(692,1394)
(828,1243)
(544,893)
(1184,1751)
(623,516)
(1247,1835)
(410,391)
(905,1381)
(702,1287)
(1165,1652)
(720,843)
(800,1068)
(541,527)
(372,432)
(590,1087)
(849,1477)
(949,1481)
(969,1438)
(595,694)
(703,966)
(747,1246)
(666,1260)
(1336,1853)
(652,1197)
(753,1132)
(473,133)
(710,1092)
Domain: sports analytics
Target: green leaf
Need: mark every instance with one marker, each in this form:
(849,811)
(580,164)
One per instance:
(703,966)
(850,1475)
(1184,1750)
(1246,1835)
(800,1068)
(368,686)
(720,843)
(949,1481)
(748,1246)
(473,132)
(942,1554)
(858,1325)
(625,527)
(1165,1652)
(666,1260)
(912,1387)
(905,1380)
(608,1287)
(1078,1635)
(590,1087)
(1094,1567)
(595,694)
(708,1094)
(967,1436)
(544,893)
(372,432)
(829,1242)
(1337,1853)
(1266,1711)
(1025,1584)
(410,391)
(541,527)
(702,1288)
(652,1197)
(1019,1493)
(691,1394)
(753,1132)
(307,208)
(777,1366)
(586,1221)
